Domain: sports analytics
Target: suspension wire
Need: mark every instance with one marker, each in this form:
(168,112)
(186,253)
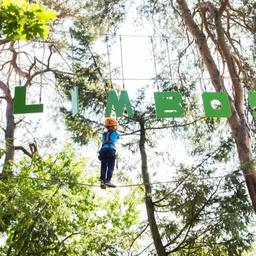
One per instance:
(19,61)
(109,64)
(218,55)
(168,58)
(123,35)
(154,58)
(75,89)
(72,56)
(150,78)
(198,69)
(122,62)
(63,58)
(41,75)
(58,181)
(201,71)
(198,77)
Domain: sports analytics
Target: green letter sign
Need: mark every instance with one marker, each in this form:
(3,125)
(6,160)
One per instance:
(252,102)
(118,104)
(223,111)
(19,103)
(168,104)
(75,100)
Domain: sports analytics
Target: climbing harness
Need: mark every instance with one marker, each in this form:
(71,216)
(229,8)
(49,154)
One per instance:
(107,141)
(107,137)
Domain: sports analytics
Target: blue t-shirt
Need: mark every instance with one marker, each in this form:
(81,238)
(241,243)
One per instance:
(113,137)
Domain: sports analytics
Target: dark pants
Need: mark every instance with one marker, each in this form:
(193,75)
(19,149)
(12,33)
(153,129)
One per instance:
(107,164)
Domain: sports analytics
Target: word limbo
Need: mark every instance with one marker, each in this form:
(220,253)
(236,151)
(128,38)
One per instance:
(167,104)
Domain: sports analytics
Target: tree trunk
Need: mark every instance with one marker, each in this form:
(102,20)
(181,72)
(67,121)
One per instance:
(237,122)
(10,128)
(242,138)
(148,195)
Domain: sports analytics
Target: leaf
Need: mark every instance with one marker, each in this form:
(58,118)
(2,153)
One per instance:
(20,20)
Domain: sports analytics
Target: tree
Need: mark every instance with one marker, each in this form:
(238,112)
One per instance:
(19,21)
(51,208)
(212,19)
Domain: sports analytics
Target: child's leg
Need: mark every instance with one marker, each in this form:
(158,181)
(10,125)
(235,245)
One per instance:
(111,165)
(103,169)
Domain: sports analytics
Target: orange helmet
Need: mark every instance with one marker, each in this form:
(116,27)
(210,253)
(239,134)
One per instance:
(110,122)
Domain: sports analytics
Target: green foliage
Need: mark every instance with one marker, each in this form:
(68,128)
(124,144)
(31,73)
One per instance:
(89,67)
(86,124)
(104,15)
(47,210)
(205,217)
(20,20)
(92,98)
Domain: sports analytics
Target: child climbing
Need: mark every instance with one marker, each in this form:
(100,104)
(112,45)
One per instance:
(107,153)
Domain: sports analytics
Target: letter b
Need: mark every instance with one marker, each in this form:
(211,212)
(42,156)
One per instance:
(168,104)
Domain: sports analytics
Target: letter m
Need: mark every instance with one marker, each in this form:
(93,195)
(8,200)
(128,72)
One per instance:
(118,104)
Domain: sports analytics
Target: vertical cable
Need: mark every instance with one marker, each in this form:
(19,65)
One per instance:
(154,58)
(109,64)
(122,62)
(169,59)
(72,55)
(201,71)
(18,54)
(41,75)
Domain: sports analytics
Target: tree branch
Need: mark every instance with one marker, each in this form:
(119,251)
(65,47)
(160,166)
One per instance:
(202,46)
(239,95)
(141,232)
(23,150)
(14,61)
